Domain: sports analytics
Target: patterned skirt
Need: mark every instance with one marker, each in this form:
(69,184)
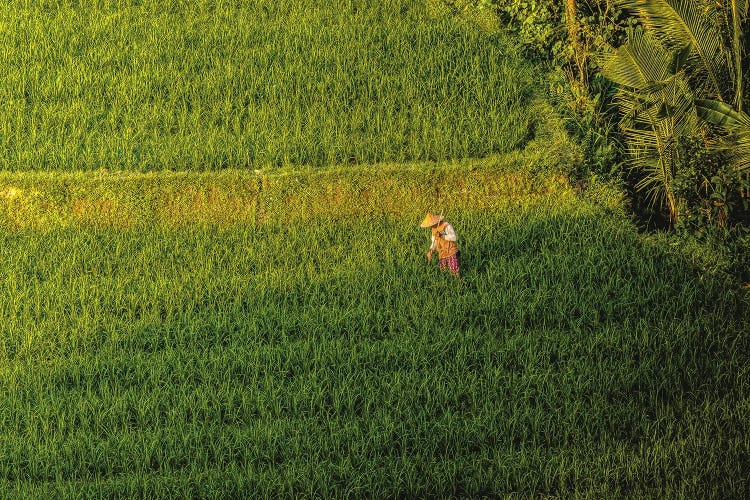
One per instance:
(450,263)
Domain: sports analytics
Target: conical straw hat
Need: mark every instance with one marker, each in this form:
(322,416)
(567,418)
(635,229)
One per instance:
(431,220)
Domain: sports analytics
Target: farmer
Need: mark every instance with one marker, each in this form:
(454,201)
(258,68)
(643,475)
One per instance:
(444,241)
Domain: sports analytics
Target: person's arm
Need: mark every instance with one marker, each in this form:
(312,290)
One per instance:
(432,247)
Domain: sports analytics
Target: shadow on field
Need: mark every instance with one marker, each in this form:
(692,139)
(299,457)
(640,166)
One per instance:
(648,348)
(571,357)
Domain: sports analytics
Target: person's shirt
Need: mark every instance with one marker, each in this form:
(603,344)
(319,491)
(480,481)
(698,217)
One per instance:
(447,234)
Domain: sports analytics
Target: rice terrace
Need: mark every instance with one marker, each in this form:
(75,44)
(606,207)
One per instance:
(213,280)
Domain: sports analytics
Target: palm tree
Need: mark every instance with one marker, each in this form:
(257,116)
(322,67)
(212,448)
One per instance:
(713,29)
(739,13)
(688,66)
(681,23)
(733,118)
(658,111)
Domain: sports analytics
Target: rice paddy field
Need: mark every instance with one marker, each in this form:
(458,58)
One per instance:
(212,84)
(303,346)
(213,283)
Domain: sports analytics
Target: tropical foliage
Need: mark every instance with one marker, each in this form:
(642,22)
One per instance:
(688,64)
(677,72)
(657,108)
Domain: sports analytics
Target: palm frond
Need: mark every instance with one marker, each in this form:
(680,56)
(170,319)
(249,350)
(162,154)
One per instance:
(688,22)
(742,151)
(737,123)
(742,6)
(739,13)
(722,114)
(652,183)
(641,62)
(657,111)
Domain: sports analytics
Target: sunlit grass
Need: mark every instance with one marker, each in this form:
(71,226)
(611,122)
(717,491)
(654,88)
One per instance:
(222,327)
(168,84)
(318,354)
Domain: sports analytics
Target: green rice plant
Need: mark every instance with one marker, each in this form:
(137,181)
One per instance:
(316,354)
(165,85)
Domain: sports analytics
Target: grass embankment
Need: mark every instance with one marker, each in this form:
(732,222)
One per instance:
(206,85)
(293,349)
